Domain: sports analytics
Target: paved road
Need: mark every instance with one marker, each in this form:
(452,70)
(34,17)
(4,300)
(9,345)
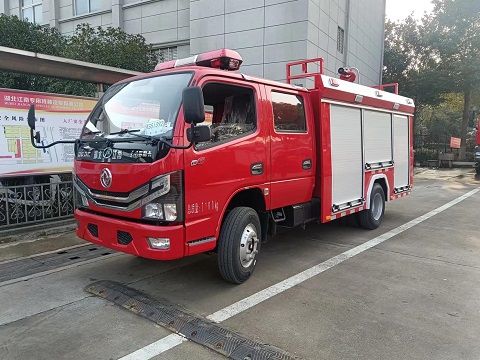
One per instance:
(408,290)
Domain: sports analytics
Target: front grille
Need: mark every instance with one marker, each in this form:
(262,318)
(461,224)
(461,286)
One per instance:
(124,238)
(93,229)
(110,193)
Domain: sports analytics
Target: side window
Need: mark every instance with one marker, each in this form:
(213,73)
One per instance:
(288,113)
(229,111)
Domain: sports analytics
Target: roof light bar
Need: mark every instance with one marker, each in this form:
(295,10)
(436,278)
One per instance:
(224,59)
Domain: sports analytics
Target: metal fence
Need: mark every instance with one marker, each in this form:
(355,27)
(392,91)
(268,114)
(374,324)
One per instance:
(25,205)
(429,147)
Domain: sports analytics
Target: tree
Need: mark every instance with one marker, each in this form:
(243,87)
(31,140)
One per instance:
(407,62)
(453,40)
(110,46)
(18,34)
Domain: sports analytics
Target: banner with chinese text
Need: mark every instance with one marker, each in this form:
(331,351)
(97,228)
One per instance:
(58,117)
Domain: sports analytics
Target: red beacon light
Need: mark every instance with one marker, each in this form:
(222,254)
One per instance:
(348,74)
(224,59)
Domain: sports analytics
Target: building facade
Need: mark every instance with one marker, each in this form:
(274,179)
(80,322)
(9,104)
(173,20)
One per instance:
(266,33)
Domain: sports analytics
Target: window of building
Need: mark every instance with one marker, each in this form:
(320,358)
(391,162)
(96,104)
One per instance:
(32,11)
(166,54)
(340,39)
(288,113)
(231,110)
(86,6)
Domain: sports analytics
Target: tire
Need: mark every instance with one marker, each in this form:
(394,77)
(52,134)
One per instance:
(239,245)
(372,217)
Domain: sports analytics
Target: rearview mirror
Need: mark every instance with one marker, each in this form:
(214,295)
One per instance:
(199,134)
(193,105)
(31,117)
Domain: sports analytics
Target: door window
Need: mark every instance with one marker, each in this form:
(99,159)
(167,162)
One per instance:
(288,113)
(230,113)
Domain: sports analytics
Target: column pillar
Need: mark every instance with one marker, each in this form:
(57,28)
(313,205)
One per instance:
(54,11)
(4,7)
(117,14)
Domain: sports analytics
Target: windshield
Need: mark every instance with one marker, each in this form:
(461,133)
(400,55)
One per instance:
(147,107)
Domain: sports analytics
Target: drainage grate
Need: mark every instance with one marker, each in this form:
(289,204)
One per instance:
(195,328)
(93,229)
(124,238)
(15,269)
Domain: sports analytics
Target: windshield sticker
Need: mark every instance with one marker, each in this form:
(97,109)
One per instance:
(157,127)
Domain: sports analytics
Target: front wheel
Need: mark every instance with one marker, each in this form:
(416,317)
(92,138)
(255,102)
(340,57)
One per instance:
(372,218)
(239,245)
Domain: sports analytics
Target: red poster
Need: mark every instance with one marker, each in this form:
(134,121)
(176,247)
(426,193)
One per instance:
(455,142)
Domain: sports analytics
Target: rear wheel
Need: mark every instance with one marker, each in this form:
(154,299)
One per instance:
(372,218)
(239,245)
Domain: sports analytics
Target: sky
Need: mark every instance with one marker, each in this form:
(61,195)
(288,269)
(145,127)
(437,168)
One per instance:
(400,9)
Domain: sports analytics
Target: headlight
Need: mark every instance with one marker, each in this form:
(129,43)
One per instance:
(165,201)
(153,211)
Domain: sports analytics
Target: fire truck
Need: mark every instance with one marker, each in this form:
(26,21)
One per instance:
(154,180)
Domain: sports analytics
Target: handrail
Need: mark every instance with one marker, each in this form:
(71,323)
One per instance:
(384,86)
(305,74)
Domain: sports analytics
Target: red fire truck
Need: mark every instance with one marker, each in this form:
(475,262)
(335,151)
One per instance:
(154,182)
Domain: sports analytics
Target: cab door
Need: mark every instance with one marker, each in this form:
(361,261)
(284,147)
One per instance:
(233,160)
(292,148)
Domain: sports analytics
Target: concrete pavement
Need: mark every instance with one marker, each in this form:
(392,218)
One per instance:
(414,296)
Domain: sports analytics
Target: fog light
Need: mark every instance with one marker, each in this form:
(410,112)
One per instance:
(170,212)
(159,243)
(154,211)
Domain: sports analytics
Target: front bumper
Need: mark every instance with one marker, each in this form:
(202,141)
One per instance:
(130,237)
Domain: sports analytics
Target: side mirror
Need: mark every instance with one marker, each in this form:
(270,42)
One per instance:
(31,117)
(31,123)
(199,134)
(193,105)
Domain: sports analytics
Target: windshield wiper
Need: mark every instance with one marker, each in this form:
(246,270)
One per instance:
(154,140)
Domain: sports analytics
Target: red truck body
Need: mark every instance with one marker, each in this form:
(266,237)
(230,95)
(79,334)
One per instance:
(324,164)
(477,148)
(477,136)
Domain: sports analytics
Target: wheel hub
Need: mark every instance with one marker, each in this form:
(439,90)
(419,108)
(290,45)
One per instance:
(248,245)
(377,206)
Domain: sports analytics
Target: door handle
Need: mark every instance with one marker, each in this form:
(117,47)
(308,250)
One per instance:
(307,164)
(256,168)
